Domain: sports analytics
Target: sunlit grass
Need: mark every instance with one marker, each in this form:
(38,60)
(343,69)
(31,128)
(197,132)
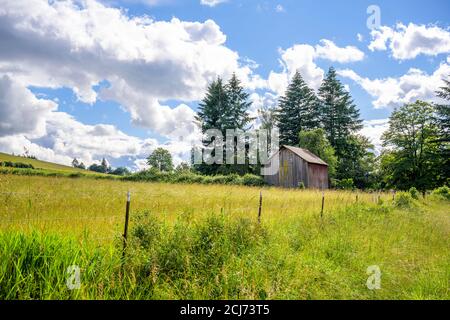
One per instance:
(304,255)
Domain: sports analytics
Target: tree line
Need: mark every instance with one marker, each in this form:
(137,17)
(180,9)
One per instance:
(415,146)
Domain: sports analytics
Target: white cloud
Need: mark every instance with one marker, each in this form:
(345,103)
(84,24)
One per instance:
(328,50)
(373,129)
(407,42)
(212,3)
(20,110)
(302,57)
(78,45)
(393,92)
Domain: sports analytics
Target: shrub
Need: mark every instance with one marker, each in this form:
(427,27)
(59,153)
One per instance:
(443,192)
(414,193)
(404,200)
(20,165)
(252,180)
(344,184)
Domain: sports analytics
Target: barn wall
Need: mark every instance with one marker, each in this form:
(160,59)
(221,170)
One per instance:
(293,170)
(318,176)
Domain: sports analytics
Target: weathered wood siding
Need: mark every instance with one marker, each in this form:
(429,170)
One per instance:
(318,176)
(293,170)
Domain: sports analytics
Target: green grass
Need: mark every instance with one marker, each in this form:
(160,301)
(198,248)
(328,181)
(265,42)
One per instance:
(200,242)
(44,167)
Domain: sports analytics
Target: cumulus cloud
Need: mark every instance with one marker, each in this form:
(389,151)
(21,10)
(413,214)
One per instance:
(328,50)
(20,110)
(393,92)
(302,57)
(78,45)
(66,138)
(373,129)
(407,42)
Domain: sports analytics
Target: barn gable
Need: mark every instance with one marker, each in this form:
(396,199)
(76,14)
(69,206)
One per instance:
(296,166)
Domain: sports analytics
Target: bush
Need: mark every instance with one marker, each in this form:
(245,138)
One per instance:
(344,184)
(252,180)
(414,193)
(443,192)
(20,165)
(403,200)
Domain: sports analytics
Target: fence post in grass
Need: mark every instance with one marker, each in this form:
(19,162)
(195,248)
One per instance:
(323,203)
(125,231)
(356,197)
(260,207)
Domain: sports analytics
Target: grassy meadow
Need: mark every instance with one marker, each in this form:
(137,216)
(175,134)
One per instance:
(189,241)
(43,167)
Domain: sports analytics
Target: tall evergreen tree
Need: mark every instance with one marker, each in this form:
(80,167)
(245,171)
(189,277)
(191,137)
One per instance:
(213,107)
(339,115)
(224,107)
(297,111)
(237,116)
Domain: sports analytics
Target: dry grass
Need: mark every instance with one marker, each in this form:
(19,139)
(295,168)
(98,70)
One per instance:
(304,256)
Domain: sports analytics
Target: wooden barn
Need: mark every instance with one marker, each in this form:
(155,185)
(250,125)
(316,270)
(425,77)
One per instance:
(294,166)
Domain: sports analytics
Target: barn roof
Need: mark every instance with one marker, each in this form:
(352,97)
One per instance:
(306,155)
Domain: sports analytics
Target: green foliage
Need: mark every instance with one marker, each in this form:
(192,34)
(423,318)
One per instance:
(160,159)
(120,171)
(344,184)
(414,193)
(301,185)
(225,107)
(252,180)
(443,192)
(404,200)
(317,142)
(414,159)
(11,164)
(154,175)
(297,111)
(339,115)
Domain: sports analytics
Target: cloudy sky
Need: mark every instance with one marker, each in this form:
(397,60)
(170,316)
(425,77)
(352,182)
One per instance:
(118,78)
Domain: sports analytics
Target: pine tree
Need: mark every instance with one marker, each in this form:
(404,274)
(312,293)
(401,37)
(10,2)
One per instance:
(237,116)
(213,111)
(224,107)
(339,115)
(297,111)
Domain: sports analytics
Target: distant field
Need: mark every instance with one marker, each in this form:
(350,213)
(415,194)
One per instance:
(197,242)
(47,166)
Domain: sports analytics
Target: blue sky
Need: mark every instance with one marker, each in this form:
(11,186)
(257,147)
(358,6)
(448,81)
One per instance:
(112,83)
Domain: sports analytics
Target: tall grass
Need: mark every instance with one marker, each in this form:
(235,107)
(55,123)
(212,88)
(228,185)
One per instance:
(195,241)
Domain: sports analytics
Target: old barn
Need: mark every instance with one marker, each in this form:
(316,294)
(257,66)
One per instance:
(292,166)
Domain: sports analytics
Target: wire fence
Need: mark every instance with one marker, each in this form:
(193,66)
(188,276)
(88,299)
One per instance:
(44,219)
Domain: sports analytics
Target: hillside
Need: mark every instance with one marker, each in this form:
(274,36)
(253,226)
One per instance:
(44,165)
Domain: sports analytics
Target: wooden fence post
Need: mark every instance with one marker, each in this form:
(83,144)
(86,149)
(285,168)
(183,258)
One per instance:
(323,203)
(260,207)
(125,231)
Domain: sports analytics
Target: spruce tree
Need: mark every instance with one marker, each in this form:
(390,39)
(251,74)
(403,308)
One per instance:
(297,111)
(237,116)
(224,107)
(213,107)
(339,116)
